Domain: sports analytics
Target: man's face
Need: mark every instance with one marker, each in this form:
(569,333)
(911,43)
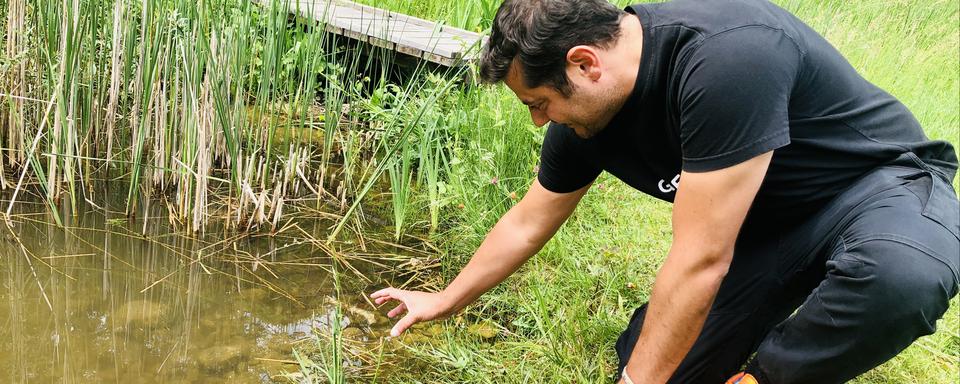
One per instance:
(587,110)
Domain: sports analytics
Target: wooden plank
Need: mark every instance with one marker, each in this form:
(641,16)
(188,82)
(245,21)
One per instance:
(438,44)
(406,34)
(423,40)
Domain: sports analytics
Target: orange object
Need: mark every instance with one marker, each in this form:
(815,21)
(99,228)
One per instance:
(742,378)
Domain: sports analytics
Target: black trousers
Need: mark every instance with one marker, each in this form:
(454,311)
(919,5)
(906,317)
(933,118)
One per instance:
(830,297)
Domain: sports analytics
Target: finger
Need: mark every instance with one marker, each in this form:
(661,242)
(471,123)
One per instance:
(382,292)
(386,294)
(397,310)
(403,324)
(392,294)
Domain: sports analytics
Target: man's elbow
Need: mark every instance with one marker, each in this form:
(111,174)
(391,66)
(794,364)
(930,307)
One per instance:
(719,266)
(715,265)
(708,266)
(526,227)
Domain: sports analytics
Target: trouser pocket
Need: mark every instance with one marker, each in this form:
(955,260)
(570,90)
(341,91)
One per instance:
(936,193)
(940,205)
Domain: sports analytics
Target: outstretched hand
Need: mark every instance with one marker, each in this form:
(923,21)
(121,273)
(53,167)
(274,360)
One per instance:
(419,306)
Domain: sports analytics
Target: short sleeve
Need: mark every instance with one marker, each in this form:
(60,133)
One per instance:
(562,165)
(734,97)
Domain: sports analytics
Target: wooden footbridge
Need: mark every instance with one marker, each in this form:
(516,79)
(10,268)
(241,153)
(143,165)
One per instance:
(422,39)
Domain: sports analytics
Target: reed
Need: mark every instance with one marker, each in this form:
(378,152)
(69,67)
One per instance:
(230,110)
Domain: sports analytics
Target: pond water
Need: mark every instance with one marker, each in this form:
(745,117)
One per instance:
(103,300)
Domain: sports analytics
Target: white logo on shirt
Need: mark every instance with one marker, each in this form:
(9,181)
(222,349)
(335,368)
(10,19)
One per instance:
(671,187)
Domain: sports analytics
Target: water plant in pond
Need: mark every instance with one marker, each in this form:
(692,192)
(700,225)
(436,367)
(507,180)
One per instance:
(225,108)
(401,179)
(330,365)
(407,117)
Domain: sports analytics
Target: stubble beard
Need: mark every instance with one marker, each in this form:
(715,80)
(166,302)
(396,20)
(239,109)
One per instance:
(607,106)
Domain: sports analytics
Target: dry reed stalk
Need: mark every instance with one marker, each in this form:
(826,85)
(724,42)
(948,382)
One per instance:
(26,164)
(138,93)
(188,109)
(54,142)
(116,73)
(68,154)
(204,129)
(161,110)
(276,208)
(15,80)
(328,249)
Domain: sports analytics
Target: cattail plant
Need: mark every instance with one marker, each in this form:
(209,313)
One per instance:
(223,109)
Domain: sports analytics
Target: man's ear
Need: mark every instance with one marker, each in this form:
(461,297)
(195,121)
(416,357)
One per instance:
(584,61)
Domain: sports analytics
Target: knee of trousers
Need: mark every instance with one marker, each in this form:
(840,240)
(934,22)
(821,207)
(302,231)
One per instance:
(895,280)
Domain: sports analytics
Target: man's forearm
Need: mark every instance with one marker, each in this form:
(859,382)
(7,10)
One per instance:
(508,245)
(682,297)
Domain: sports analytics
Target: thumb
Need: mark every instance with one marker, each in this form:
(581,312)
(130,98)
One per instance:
(403,324)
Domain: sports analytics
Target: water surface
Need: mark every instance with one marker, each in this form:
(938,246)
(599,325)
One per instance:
(112,299)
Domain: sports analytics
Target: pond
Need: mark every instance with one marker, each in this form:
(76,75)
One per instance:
(111,299)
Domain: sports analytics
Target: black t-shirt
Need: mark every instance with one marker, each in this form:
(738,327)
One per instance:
(721,82)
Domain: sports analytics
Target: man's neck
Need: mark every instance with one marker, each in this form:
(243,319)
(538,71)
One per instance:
(628,52)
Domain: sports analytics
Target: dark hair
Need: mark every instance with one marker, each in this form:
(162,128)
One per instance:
(540,32)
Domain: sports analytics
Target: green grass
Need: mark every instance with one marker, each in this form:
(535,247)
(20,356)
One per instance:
(560,314)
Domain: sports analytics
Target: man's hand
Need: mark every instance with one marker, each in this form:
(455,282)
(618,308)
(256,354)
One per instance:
(517,236)
(420,306)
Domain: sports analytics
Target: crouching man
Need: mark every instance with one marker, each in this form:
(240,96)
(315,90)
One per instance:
(814,224)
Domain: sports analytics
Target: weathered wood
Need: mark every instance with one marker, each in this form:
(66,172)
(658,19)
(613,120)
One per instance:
(409,35)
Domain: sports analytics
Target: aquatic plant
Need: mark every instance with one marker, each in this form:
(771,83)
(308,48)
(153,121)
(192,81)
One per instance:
(223,108)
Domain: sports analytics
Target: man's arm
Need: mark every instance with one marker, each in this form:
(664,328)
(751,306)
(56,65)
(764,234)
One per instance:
(708,211)
(519,234)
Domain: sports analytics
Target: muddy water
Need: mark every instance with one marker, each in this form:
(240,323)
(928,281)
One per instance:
(102,300)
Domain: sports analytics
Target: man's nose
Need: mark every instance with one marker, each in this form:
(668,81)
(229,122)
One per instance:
(539,118)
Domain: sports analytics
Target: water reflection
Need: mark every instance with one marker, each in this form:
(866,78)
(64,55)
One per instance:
(102,300)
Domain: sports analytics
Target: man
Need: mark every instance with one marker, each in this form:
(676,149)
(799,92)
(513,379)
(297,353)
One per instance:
(813,222)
